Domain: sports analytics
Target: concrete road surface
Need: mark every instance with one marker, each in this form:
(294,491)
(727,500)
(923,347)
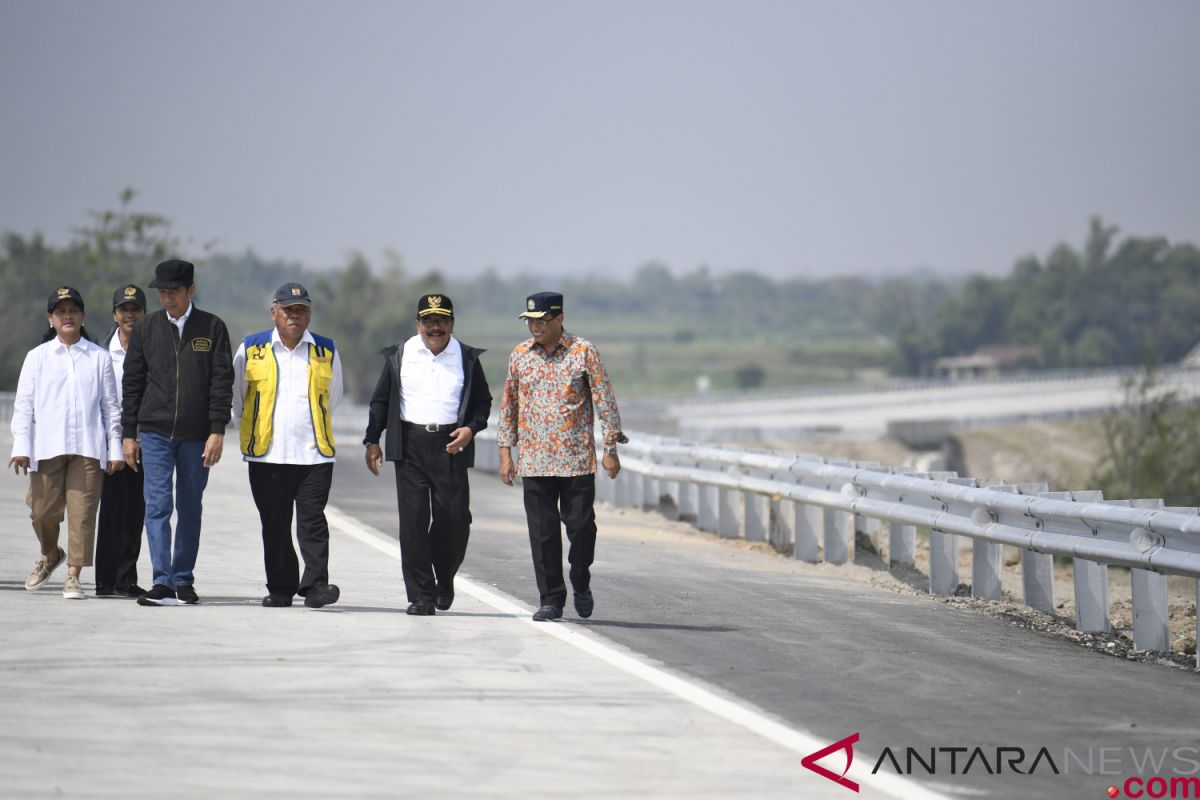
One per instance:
(709,670)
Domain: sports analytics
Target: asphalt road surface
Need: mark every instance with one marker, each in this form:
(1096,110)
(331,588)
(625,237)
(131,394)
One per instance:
(834,658)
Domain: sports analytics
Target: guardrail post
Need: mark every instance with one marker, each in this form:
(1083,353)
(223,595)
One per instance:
(650,496)
(837,551)
(604,488)
(755,515)
(706,513)
(943,563)
(1150,628)
(902,543)
(727,521)
(687,500)
(1091,596)
(779,525)
(987,563)
(808,523)
(1037,577)
(620,490)
(669,507)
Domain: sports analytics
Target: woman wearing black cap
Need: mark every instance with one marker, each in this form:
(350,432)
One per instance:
(122,504)
(67,385)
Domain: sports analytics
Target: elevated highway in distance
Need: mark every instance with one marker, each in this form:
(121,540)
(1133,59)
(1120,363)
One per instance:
(877,410)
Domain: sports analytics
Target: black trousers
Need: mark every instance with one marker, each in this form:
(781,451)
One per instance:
(434,499)
(277,488)
(119,526)
(551,503)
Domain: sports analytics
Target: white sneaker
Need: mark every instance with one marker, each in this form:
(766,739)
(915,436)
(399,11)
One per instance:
(71,588)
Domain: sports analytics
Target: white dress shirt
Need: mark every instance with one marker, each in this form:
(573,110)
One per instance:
(292,438)
(66,404)
(117,353)
(179,323)
(430,386)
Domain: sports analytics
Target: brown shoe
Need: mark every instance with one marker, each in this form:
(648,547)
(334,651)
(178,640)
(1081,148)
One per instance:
(42,570)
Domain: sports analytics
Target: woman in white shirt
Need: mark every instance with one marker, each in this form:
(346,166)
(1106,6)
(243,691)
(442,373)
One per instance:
(66,423)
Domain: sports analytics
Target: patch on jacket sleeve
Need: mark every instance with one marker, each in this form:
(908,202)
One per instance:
(201,345)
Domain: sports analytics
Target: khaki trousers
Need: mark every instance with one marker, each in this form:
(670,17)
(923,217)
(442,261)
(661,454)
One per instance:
(71,483)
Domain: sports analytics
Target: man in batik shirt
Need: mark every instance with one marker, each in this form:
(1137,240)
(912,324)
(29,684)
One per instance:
(554,381)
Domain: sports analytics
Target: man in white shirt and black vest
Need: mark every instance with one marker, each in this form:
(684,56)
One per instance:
(432,398)
(287,382)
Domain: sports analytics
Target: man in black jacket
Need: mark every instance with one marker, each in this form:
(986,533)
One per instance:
(432,398)
(178,389)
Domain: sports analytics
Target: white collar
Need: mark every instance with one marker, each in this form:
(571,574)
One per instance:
(186,314)
(62,347)
(307,338)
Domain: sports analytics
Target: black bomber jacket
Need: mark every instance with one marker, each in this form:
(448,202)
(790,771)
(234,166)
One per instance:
(179,387)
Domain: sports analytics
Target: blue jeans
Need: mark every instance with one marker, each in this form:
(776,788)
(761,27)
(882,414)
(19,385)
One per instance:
(162,460)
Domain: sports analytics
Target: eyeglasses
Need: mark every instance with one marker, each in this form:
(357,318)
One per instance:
(538,323)
(434,321)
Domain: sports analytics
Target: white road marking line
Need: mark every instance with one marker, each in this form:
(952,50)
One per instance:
(795,740)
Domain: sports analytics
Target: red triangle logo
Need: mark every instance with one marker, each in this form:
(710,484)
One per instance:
(847,744)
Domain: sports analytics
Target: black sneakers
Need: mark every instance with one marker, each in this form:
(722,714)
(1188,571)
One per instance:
(187,594)
(322,595)
(159,595)
(547,612)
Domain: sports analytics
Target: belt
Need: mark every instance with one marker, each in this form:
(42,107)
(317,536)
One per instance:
(416,426)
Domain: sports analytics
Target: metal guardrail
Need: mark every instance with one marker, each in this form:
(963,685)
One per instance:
(817,507)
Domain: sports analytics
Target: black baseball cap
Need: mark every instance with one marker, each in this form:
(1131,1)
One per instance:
(64,293)
(292,294)
(431,304)
(131,293)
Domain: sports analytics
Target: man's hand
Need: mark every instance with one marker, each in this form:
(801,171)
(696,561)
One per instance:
(20,465)
(459,439)
(115,466)
(133,453)
(212,449)
(508,469)
(374,458)
(612,464)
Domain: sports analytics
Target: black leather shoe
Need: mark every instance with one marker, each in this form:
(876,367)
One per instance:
(322,595)
(277,601)
(105,591)
(420,610)
(134,591)
(445,597)
(547,612)
(584,604)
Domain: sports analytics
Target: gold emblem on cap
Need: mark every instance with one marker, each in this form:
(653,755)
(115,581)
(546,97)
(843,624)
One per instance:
(532,305)
(295,292)
(435,301)
(130,291)
(64,292)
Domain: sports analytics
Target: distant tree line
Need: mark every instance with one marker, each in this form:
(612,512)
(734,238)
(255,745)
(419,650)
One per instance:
(1112,303)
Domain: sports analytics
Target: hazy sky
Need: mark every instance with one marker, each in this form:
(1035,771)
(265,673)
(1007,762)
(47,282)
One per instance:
(797,138)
